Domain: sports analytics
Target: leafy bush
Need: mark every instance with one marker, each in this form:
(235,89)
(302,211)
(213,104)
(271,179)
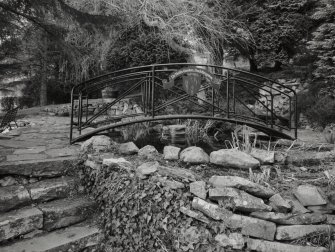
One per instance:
(322,112)
(8,103)
(139,215)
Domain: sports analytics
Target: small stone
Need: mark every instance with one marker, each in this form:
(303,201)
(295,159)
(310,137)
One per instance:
(147,169)
(234,240)
(171,153)
(211,210)
(195,215)
(309,195)
(242,184)
(280,157)
(117,161)
(279,204)
(8,181)
(148,151)
(194,155)
(238,200)
(263,156)
(198,188)
(97,143)
(304,169)
(330,219)
(128,148)
(267,246)
(92,164)
(290,219)
(289,233)
(252,226)
(233,158)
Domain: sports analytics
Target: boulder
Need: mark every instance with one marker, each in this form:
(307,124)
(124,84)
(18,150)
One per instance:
(128,148)
(252,226)
(147,169)
(198,188)
(97,144)
(263,156)
(171,153)
(279,204)
(148,151)
(290,219)
(309,195)
(234,240)
(238,200)
(242,184)
(211,210)
(194,155)
(290,233)
(233,158)
(267,246)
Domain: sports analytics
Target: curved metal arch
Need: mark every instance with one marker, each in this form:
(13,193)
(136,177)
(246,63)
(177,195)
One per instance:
(271,132)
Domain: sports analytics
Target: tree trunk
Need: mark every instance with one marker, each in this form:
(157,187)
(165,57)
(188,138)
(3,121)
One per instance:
(43,87)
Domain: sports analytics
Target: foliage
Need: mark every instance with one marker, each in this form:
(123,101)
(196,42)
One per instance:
(141,46)
(138,215)
(8,103)
(322,112)
(277,28)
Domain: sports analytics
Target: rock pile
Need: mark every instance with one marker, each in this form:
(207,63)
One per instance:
(257,217)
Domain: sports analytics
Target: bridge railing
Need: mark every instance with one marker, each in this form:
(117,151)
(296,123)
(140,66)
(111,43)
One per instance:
(169,90)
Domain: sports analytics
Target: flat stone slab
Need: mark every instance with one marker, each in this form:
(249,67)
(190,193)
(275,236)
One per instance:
(73,239)
(242,184)
(211,210)
(252,226)
(238,200)
(34,150)
(22,221)
(22,157)
(198,188)
(266,246)
(50,189)
(62,152)
(289,233)
(65,212)
(309,195)
(290,219)
(37,168)
(13,196)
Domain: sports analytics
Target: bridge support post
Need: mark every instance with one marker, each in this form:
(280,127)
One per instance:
(228,101)
(153,92)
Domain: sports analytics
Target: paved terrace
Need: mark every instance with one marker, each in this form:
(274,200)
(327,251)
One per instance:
(45,138)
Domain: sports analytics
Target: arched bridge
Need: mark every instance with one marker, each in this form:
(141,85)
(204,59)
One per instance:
(182,91)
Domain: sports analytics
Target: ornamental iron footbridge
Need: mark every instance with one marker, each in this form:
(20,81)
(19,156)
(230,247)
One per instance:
(182,91)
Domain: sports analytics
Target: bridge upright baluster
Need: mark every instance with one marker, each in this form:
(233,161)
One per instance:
(228,107)
(80,110)
(272,116)
(153,91)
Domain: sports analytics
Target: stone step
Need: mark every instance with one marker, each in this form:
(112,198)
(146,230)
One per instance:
(48,168)
(12,197)
(47,216)
(66,212)
(74,238)
(19,222)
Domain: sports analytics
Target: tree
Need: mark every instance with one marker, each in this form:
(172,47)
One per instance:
(278,27)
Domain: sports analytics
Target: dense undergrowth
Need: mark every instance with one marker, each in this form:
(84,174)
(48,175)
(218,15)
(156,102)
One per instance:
(143,215)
